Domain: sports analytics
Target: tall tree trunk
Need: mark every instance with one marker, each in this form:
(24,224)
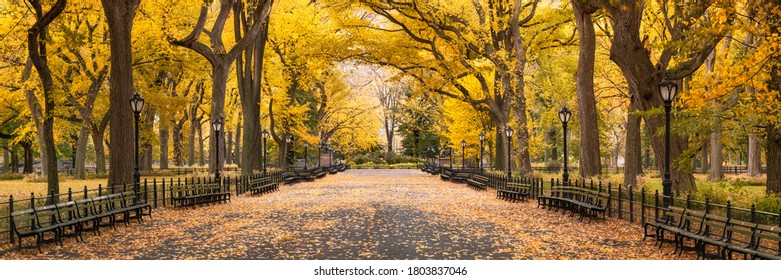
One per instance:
(589,131)
(81,153)
(36,113)
(500,158)
(146,146)
(252,60)
(519,96)
(632,154)
(716,156)
(219,84)
(201,157)
(630,54)
(163,145)
(100,152)
(237,145)
(36,47)
(191,143)
(14,168)
(773,153)
(229,148)
(178,137)
(120,14)
(754,156)
(29,161)
(704,157)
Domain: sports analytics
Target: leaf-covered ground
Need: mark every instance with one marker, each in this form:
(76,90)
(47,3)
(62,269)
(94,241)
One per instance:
(362,214)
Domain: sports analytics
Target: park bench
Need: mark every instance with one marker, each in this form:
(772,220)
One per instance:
(28,223)
(73,216)
(292,177)
(446,174)
(333,169)
(343,167)
(586,202)
(478,181)
(513,191)
(263,185)
(319,172)
(195,194)
(726,236)
(460,177)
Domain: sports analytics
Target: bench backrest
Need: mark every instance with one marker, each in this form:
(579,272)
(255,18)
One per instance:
(24,220)
(85,207)
(768,239)
(128,198)
(101,204)
(714,226)
(67,211)
(47,215)
(693,220)
(741,232)
(673,215)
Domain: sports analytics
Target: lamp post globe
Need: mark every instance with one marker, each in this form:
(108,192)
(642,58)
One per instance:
(564,116)
(217,126)
(265,154)
(508,131)
(667,89)
(137,105)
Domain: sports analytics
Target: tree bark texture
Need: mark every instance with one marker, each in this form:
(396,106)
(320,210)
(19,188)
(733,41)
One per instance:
(164,135)
(643,78)
(36,47)
(632,153)
(120,14)
(590,164)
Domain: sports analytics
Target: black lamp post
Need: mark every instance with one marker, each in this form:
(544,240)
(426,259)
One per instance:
(306,153)
(509,133)
(667,88)
(217,126)
(564,116)
(463,153)
(265,136)
(289,141)
(137,104)
(482,138)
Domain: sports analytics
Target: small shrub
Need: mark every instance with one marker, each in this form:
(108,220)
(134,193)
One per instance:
(721,192)
(768,203)
(98,176)
(11,176)
(34,178)
(745,180)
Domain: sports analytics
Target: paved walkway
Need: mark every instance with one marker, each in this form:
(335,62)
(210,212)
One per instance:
(363,214)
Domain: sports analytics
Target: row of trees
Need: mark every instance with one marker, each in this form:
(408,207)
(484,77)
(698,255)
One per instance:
(446,70)
(70,67)
(493,64)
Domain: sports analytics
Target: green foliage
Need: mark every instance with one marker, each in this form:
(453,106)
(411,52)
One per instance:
(11,176)
(378,157)
(385,166)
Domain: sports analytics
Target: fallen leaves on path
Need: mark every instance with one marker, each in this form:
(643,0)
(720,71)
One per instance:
(362,214)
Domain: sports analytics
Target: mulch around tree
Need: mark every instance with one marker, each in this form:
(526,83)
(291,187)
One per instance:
(362,214)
